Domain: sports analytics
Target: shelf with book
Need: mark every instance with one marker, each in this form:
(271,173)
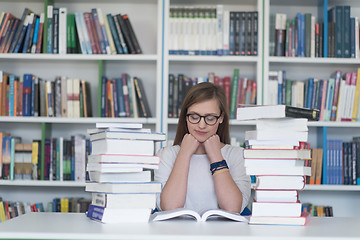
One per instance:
(317,61)
(82,57)
(323,187)
(200,64)
(35,183)
(180,58)
(145,17)
(92,120)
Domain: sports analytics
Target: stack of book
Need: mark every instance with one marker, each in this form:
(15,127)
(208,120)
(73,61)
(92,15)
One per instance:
(119,169)
(276,153)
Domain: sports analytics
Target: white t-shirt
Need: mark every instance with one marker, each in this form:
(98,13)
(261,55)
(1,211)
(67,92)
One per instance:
(201,190)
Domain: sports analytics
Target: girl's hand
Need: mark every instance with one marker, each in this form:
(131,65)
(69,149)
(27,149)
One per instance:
(189,145)
(213,148)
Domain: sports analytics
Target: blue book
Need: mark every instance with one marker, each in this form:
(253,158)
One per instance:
(114,34)
(103,95)
(28,33)
(36,33)
(298,23)
(352,38)
(32,112)
(55,41)
(329,99)
(322,143)
(116,108)
(27,95)
(280,87)
(310,92)
(346,42)
(302,35)
(12,95)
(121,101)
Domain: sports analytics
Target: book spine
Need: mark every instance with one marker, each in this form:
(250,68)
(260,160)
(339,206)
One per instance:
(27,95)
(36,35)
(49,20)
(55,41)
(126,49)
(132,34)
(126,94)
(62,30)
(114,33)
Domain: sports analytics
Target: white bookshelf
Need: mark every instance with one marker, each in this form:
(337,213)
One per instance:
(150,20)
(146,19)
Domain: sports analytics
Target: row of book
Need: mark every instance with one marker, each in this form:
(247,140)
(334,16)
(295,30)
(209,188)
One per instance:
(304,35)
(59,32)
(212,31)
(318,210)
(11,209)
(337,98)
(64,159)
(341,162)
(29,95)
(124,97)
(119,170)
(238,90)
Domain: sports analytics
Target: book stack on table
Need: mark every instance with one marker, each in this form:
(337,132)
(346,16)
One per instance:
(278,155)
(119,169)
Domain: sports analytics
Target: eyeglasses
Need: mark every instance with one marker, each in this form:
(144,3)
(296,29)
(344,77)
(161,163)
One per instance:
(196,118)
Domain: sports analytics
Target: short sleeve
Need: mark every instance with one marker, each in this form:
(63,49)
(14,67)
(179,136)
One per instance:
(237,170)
(167,157)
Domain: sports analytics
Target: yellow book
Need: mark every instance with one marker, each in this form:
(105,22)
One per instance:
(64,205)
(2,212)
(356,98)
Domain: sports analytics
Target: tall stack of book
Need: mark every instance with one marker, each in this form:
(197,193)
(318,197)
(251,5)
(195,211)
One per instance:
(276,153)
(119,169)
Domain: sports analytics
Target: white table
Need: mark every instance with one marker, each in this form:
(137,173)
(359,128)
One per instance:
(78,226)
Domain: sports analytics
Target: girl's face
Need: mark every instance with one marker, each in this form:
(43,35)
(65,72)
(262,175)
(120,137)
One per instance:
(203,119)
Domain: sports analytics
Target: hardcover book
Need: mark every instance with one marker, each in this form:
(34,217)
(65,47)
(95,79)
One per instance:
(277,220)
(276,111)
(101,177)
(123,200)
(113,215)
(144,187)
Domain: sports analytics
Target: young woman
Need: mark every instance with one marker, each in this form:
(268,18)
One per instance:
(201,170)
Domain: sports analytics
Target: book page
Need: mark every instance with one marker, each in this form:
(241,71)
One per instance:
(206,214)
(179,212)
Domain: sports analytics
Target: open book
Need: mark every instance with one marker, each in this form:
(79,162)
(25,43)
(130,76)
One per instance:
(200,217)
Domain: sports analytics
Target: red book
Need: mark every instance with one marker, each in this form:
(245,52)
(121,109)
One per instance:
(227,89)
(91,32)
(93,29)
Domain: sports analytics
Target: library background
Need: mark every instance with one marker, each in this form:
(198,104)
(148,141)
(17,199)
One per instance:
(75,66)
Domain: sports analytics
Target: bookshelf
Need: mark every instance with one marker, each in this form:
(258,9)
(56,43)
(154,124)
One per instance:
(343,198)
(198,65)
(150,19)
(145,17)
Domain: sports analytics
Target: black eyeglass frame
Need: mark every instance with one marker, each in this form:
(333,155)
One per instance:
(200,117)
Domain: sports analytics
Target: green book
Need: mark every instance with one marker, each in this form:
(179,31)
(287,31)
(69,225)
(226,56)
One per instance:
(234,88)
